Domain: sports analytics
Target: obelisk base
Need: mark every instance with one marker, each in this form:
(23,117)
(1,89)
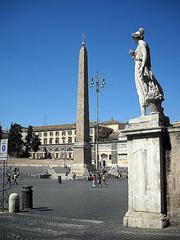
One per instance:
(80,170)
(82,160)
(145,220)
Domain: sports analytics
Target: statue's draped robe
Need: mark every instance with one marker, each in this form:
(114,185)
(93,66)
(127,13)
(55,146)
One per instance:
(148,88)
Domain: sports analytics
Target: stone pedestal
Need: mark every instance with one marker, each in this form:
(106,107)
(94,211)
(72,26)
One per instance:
(82,159)
(146,172)
(145,220)
(80,170)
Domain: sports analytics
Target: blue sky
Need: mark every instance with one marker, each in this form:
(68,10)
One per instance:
(39,50)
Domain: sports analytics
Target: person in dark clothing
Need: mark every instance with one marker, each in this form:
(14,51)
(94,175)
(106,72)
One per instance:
(99,180)
(8,175)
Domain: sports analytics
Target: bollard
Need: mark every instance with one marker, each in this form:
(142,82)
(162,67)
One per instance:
(59,179)
(27,197)
(14,203)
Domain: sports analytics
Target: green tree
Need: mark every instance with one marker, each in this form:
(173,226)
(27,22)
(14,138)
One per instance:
(32,141)
(29,135)
(35,143)
(15,143)
(28,141)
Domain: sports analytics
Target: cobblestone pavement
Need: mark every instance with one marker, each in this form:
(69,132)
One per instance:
(74,210)
(33,226)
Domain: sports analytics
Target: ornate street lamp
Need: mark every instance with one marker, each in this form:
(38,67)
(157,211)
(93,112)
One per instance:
(100,82)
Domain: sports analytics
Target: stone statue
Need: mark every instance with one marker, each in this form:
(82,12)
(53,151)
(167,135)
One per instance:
(149,90)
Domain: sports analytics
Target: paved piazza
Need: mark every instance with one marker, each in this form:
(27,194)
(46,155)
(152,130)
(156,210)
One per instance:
(74,210)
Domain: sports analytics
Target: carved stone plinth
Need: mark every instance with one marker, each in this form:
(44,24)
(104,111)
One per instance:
(82,157)
(146,173)
(81,170)
(145,220)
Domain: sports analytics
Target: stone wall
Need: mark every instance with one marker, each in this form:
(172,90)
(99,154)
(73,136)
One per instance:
(173,175)
(34,162)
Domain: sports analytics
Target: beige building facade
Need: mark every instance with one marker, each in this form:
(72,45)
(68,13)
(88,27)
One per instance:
(57,142)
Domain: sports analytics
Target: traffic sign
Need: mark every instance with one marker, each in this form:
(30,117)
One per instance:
(3,149)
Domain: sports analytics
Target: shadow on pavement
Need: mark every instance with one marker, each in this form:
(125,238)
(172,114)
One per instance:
(43,209)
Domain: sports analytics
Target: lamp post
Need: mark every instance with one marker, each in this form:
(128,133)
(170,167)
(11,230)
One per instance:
(100,82)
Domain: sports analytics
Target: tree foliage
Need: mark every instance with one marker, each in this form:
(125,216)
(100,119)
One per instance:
(29,135)
(19,147)
(35,143)
(32,140)
(15,143)
(28,141)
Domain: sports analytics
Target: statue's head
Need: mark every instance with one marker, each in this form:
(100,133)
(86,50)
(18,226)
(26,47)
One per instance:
(138,35)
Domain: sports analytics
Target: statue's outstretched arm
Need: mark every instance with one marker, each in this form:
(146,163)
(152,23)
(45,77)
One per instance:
(132,54)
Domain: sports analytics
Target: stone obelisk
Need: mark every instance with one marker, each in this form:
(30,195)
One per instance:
(82,147)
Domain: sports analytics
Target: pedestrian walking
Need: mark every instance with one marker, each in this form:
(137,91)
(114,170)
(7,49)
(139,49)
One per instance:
(99,180)
(73,175)
(15,176)
(104,179)
(90,177)
(67,171)
(66,174)
(103,171)
(8,180)
(15,179)
(94,180)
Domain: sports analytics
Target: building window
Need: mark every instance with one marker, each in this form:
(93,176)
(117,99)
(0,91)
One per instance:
(122,145)
(91,130)
(75,139)
(122,157)
(109,157)
(45,134)
(57,155)
(57,133)
(69,132)
(69,139)
(70,155)
(63,132)
(91,139)
(57,140)
(51,134)
(63,140)
(40,134)
(50,140)
(45,140)
(69,149)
